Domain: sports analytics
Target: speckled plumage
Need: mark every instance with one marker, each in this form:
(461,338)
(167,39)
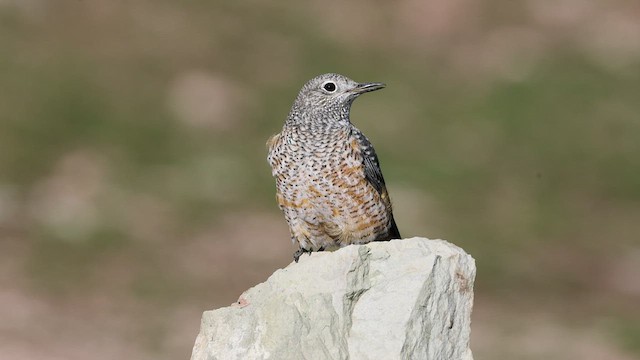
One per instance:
(328,179)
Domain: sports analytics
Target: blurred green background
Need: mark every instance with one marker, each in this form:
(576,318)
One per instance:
(135,193)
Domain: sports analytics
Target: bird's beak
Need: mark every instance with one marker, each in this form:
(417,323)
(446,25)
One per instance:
(366,87)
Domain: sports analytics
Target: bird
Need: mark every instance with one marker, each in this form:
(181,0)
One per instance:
(329,184)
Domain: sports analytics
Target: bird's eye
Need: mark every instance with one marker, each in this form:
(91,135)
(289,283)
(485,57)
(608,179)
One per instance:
(330,87)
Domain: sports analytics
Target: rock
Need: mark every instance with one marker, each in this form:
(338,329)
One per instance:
(402,299)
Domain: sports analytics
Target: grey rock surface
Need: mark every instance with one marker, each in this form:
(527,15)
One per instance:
(402,299)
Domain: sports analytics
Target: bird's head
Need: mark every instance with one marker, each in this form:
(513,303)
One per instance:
(330,96)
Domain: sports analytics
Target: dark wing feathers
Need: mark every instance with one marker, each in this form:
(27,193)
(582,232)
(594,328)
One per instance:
(394,233)
(373,174)
(372,171)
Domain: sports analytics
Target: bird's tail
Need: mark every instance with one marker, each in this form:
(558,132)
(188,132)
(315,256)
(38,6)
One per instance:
(394,233)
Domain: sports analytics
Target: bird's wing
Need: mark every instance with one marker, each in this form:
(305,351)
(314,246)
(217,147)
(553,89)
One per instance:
(371,165)
(373,174)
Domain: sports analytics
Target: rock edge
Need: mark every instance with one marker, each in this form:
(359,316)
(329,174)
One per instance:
(401,299)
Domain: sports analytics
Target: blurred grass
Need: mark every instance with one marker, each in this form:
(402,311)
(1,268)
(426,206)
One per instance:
(537,177)
(628,334)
